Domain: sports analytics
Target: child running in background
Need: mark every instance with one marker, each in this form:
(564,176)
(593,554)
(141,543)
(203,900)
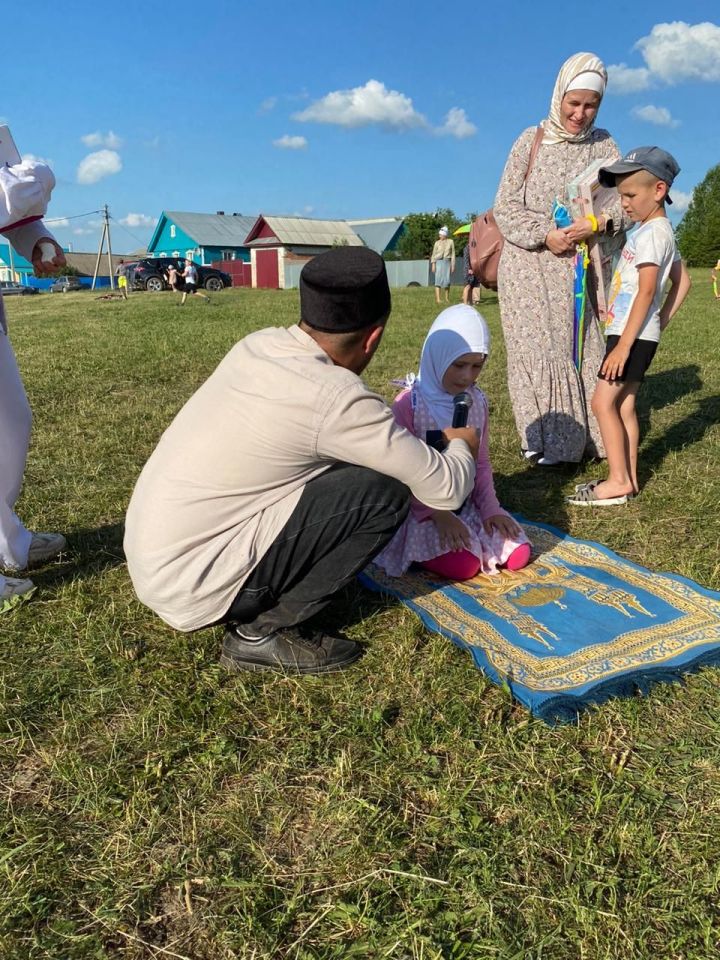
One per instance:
(637,314)
(481,537)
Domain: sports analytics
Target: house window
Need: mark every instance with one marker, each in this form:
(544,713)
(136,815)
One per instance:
(190,254)
(172,229)
(228,255)
(176,253)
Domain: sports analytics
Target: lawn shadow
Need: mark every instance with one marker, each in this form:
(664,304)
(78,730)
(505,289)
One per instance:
(90,552)
(686,432)
(661,389)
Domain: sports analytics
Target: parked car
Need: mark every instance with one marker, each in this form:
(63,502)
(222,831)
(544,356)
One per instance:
(10,289)
(149,274)
(65,285)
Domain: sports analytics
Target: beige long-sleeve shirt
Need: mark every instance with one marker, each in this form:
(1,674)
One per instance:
(444,250)
(229,470)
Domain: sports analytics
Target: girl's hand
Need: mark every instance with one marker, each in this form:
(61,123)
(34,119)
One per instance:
(558,243)
(454,534)
(504,525)
(614,362)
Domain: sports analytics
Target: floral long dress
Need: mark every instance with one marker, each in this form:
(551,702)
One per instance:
(550,400)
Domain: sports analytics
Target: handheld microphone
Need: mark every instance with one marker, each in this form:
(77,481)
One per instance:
(461,403)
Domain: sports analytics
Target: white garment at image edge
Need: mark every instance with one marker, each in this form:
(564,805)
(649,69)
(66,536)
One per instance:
(652,243)
(25,190)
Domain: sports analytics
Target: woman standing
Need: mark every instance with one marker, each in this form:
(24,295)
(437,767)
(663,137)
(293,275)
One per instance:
(443,263)
(550,398)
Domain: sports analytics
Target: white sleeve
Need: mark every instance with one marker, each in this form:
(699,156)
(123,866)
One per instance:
(24,238)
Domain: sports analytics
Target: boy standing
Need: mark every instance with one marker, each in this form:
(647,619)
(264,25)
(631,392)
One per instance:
(636,315)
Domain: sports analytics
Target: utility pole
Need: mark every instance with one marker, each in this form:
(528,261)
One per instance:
(105,233)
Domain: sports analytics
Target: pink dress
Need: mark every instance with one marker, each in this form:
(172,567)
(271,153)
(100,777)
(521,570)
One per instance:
(418,539)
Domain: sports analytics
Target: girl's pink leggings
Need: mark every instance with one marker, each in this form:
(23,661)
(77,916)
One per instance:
(463,565)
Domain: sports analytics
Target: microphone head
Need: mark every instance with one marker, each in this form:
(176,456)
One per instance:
(463,400)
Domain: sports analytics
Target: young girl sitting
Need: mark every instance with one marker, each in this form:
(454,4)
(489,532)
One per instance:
(481,537)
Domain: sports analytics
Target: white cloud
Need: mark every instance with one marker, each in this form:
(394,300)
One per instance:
(363,106)
(457,125)
(138,220)
(268,104)
(624,79)
(97,165)
(672,52)
(109,140)
(682,51)
(57,223)
(33,158)
(680,200)
(290,143)
(660,116)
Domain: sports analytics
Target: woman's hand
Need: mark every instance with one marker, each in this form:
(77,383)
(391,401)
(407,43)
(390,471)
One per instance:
(504,525)
(558,243)
(454,534)
(580,230)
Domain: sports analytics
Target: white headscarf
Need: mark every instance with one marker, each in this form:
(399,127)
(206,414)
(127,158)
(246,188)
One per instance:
(582,71)
(456,331)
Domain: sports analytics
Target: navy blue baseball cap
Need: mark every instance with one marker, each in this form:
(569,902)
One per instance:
(655,160)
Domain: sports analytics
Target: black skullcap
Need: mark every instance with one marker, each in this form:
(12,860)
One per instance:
(344,289)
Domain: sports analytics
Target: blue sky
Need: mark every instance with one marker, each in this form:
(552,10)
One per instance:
(332,109)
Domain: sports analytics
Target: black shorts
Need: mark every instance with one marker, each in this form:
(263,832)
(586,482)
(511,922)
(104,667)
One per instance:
(639,359)
(190,287)
(471,280)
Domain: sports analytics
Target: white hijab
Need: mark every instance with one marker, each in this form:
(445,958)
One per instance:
(456,331)
(594,77)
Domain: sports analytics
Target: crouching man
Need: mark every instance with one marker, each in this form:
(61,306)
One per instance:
(283,476)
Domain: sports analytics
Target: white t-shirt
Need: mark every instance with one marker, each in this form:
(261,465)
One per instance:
(652,242)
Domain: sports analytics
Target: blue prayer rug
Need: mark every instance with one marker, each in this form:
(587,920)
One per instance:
(578,625)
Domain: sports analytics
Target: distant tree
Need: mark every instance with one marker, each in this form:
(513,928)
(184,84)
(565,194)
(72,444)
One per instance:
(698,235)
(421,231)
(66,271)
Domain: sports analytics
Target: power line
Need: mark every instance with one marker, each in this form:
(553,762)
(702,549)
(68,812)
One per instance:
(76,217)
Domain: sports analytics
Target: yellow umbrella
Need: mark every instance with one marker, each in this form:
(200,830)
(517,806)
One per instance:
(466,228)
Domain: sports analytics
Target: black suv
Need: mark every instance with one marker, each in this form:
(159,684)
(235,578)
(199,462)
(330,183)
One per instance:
(149,274)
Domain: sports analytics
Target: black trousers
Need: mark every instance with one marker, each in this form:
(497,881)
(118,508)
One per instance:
(343,519)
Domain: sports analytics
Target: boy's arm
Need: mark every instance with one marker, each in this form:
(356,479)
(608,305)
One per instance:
(614,362)
(679,288)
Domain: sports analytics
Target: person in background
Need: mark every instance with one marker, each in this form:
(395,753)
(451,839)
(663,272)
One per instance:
(442,263)
(472,290)
(190,276)
(550,398)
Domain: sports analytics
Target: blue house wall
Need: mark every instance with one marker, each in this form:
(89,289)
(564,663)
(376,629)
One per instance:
(163,243)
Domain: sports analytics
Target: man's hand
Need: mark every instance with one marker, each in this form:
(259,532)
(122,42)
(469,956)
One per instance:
(504,525)
(468,434)
(614,363)
(43,264)
(454,534)
(558,242)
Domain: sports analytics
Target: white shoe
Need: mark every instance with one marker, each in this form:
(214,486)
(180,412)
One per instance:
(530,454)
(13,592)
(547,462)
(43,547)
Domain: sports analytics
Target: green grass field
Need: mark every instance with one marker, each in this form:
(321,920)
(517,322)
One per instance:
(155,807)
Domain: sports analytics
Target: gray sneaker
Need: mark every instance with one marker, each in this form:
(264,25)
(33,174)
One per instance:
(292,650)
(13,592)
(43,547)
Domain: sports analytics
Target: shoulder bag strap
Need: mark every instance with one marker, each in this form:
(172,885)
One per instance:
(533,154)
